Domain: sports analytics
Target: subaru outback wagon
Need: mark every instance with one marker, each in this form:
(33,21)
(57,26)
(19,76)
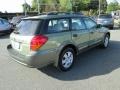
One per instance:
(55,39)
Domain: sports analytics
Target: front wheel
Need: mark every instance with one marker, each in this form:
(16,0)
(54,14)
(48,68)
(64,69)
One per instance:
(66,59)
(106,41)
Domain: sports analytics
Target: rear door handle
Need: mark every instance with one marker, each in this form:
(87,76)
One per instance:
(75,35)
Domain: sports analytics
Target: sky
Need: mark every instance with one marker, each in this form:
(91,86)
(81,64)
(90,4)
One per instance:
(16,5)
(12,5)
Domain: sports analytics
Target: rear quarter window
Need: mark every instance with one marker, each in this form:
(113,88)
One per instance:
(58,25)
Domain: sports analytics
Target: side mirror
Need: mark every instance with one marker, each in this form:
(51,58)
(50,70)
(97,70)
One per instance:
(99,25)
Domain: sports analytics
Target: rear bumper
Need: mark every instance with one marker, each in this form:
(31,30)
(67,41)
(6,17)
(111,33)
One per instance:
(35,60)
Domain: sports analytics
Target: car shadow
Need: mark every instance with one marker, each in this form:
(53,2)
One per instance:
(94,62)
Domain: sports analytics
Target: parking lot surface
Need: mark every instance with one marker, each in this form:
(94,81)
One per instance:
(96,69)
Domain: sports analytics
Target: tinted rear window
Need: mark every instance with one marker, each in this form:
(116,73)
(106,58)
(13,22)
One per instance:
(105,16)
(27,27)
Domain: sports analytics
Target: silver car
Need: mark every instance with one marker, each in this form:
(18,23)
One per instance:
(106,20)
(5,26)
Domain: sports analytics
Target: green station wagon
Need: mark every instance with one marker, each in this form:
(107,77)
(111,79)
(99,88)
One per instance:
(55,38)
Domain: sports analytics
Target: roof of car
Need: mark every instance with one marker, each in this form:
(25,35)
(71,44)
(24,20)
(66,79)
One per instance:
(53,16)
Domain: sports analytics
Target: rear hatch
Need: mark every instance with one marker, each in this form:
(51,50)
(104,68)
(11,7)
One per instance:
(21,38)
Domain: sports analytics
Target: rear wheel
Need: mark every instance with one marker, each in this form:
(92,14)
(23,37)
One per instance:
(66,59)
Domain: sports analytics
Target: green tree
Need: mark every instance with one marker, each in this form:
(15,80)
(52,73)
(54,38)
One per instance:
(62,5)
(45,5)
(69,5)
(34,5)
(26,7)
(65,5)
(79,5)
(113,6)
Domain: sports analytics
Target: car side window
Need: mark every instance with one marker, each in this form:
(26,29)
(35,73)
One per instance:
(90,23)
(58,25)
(77,24)
(1,22)
(5,22)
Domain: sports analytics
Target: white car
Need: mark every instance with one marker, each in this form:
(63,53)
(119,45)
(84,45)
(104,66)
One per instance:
(5,26)
(117,21)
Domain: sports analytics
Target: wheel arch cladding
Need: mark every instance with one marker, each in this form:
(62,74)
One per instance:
(66,46)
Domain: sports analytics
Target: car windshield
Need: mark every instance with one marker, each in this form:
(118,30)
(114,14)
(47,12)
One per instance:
(105,16)
(27,27)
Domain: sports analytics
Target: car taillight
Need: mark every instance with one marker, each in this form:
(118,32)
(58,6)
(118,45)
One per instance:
(37,42)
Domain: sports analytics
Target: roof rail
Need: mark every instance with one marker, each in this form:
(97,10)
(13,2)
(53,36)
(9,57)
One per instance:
(61,13)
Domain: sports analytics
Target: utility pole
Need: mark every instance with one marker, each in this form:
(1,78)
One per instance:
(76,8)
(99,8)
(38,6)
(71,5)
(25,7)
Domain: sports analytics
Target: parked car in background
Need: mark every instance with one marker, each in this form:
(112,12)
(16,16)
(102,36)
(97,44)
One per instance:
(94,18)
(55,39)
(117,21)
(5,26)
(106,20)
(16,20)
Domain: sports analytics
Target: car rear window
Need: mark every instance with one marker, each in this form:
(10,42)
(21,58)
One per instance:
(27,27)
(105,16)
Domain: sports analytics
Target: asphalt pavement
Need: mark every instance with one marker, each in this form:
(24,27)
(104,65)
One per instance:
(96,69)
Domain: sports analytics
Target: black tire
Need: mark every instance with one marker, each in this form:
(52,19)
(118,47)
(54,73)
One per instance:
(61,66)
(111,27)
(106,41)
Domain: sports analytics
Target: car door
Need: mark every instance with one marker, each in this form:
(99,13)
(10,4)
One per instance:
(93,31)
(80,35)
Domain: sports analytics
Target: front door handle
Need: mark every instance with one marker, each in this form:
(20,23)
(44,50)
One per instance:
(75,35)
